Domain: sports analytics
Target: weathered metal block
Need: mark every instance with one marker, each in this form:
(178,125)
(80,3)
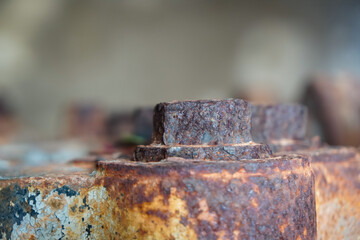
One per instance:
(281,126)
(208,129)
(153,153)
(336,169)
(337,172)
(58,202)
(271,198)
(277,122)
(206,122)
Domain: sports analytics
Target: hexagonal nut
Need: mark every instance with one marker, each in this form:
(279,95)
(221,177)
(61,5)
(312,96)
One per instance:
(205,122)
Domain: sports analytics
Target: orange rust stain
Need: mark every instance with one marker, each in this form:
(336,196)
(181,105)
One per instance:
(256,189)
(236,234)
(205,214)
(254,203)
(155,219)
(282,227)
(221,235)
(139,221)
(56,203)
(337,199)
(226,176)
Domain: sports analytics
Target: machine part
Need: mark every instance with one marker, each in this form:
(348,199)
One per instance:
(224,196)
(282,126)
(337,185)
(336,169)
(206,122)
(186,199)
(207,130)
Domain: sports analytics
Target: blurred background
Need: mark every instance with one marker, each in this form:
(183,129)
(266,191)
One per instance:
(91,70)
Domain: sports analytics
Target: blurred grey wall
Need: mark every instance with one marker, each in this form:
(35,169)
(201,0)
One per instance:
(123,54)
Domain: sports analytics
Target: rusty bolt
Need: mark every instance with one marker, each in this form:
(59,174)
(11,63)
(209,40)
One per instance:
(207,122)
(278,121)
(207,129)
(267,198)
(281,126)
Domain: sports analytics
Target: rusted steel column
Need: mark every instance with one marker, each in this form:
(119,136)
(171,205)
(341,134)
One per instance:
(223,197)
(208,129)
(185,199)
(336,169)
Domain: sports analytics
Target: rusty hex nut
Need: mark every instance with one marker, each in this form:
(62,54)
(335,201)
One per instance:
(205,122)
(206,129)
(278,121)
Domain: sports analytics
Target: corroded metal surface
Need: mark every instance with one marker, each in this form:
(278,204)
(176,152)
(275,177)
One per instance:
(171,199)
(254,197)
(287,145)
(48,204)
(208,129)
(282,126)
(214,199)
(204,152)
(187,199)
(202,122)
(278,121)
(337,171)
